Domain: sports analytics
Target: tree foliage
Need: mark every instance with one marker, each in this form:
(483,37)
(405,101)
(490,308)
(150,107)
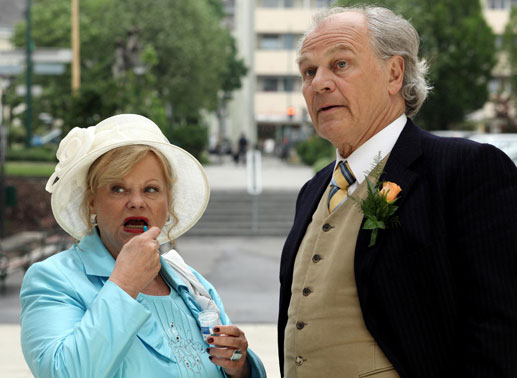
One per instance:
(460,49)
(165,59)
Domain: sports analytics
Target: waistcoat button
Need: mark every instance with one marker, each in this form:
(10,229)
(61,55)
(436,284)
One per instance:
(300,325)
(316,258)
(326,227)
(299,360)
(306,291)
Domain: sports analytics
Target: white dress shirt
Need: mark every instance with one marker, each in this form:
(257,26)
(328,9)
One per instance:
(361,161)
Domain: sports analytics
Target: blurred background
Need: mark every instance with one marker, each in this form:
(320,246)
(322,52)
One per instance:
(220,78)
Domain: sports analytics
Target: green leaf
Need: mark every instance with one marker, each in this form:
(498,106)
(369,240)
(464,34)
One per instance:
(373,238)
(372,224)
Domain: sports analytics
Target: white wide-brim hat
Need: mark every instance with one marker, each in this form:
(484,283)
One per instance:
(82,146)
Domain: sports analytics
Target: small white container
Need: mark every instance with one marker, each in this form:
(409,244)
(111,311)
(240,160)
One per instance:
(208,320)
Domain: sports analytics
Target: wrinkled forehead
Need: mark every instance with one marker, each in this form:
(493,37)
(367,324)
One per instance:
(344,29)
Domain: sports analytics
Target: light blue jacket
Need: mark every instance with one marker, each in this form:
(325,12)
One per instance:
(77,324)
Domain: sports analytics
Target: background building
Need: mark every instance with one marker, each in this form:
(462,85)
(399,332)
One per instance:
(11,12)
(270,105)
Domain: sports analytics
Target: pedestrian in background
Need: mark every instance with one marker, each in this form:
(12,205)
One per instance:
(242,148)
(111,306)
(418,279)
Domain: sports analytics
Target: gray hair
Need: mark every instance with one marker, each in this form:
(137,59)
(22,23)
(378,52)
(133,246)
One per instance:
(390,35)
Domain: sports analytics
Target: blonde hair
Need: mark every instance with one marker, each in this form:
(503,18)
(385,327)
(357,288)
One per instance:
(117,163)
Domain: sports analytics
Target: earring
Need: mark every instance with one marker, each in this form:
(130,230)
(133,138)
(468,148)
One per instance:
(93,219)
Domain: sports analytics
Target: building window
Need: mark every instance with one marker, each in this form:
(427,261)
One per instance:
(498,41)
(493,86)
(270,84)
(270,3)
(294,3)
(289,41)
(500,4)
(278,41)
(324,3)
(270,42)
(289,84)
(279,83)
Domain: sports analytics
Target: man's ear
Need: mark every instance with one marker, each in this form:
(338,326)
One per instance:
(396,74)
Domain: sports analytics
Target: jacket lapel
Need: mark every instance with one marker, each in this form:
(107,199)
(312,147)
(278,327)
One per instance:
(398,169)
(98,262)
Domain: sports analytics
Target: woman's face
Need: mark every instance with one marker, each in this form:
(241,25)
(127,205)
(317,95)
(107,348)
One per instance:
(125,206)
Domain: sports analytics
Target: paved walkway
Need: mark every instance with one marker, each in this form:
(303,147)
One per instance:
(276,174)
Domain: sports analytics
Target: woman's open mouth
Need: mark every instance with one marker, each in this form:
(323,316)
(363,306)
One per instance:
(135,225)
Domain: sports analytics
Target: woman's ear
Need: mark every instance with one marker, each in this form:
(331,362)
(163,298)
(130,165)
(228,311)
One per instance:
(396,74)
(91,203)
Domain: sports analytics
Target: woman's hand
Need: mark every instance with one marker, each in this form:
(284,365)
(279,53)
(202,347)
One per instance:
(138,262)
(227,339)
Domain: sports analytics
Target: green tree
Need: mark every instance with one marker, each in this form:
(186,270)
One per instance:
(165,59)
(510,50)
(460,49)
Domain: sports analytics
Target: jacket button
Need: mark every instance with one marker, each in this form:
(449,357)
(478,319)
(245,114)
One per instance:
(306,291)
(300,325)
(316,258)
(299,360)
(326,227)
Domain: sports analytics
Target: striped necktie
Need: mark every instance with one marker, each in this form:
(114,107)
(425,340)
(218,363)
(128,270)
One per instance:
(339,184)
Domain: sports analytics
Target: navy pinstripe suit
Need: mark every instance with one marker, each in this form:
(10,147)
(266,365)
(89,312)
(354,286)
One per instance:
(439,292)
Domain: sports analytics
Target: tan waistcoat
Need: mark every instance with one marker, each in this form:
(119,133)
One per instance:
(325,334)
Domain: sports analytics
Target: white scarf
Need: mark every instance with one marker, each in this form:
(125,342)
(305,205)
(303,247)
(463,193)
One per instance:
(195,288)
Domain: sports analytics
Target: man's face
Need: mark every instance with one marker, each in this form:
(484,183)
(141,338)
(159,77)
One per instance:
(345,85)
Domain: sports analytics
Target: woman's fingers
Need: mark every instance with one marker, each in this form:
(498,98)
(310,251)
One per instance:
(228,342)
(138,262)
(229,337)
(226,353)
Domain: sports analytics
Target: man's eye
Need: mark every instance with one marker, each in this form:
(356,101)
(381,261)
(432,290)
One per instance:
(309,72)
(151,189)
(117,189)
(341,64)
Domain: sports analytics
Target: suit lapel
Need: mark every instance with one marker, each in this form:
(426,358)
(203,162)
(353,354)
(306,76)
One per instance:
(405,153)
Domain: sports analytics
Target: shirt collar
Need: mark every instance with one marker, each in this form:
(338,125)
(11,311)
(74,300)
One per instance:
(361,160)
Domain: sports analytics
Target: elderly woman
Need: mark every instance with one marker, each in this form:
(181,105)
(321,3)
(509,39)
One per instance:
(111,306)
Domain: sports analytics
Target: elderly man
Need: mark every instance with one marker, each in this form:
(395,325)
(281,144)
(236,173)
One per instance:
(362,295)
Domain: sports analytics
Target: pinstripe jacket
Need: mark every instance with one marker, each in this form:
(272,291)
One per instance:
(439,292)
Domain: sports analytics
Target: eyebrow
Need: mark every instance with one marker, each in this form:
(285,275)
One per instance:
(338,48)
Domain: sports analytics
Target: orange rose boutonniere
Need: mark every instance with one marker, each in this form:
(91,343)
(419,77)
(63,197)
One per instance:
(379,208)
(390,190)
(379,205)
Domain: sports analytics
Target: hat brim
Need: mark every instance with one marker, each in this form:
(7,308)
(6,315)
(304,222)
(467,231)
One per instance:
(190,191)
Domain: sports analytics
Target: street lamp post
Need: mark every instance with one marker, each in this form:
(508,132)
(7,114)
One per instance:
(76,56)
(3,149)
(28,76)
